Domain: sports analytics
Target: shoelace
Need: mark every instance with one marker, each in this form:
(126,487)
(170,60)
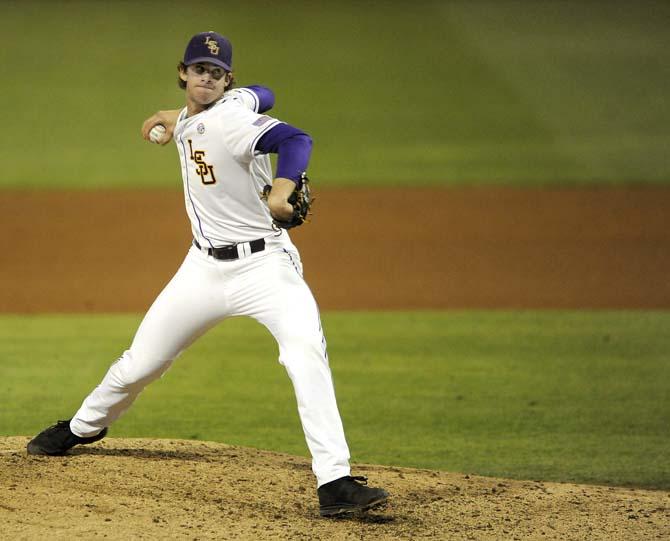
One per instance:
(59,424)
(360,479)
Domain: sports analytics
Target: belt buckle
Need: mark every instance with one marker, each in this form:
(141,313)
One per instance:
(243,249)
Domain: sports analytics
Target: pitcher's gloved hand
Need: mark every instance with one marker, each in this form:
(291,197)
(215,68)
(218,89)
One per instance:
(300,200)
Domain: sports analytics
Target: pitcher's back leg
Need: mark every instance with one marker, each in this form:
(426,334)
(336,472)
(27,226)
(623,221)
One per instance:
(189,305)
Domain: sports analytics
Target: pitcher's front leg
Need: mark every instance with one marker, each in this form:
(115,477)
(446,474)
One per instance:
(285,305)
(306,362)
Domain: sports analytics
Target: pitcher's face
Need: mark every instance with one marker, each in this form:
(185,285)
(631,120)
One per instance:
(205,82)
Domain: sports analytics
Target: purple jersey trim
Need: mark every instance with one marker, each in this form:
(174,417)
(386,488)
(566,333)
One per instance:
(293,148)
(271,139)
(265,97)
(268,126)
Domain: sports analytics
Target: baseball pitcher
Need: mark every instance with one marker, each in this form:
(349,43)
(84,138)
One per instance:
(241,263)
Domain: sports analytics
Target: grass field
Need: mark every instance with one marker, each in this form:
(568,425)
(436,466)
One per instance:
(579,396)
(393,93)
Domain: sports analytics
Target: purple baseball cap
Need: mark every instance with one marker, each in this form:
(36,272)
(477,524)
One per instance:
(209,47)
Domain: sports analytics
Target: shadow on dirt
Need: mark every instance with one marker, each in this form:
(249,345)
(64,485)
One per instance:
(152,454)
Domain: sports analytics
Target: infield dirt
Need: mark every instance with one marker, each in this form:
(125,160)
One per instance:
(175,489)
(366,249)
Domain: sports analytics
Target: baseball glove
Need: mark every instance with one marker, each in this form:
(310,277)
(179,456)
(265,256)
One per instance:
(301,200)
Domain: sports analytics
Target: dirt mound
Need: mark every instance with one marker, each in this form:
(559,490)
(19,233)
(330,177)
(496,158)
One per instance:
(159,489)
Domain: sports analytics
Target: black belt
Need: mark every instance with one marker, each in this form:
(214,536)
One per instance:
(230,252)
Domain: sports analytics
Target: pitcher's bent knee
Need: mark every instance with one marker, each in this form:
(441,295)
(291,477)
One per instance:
(133,371)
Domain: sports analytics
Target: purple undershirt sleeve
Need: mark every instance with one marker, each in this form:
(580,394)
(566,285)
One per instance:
(293,157)
(266,98)
(293,148)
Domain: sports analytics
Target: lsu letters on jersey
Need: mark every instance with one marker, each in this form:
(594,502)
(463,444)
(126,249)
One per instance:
(218,158)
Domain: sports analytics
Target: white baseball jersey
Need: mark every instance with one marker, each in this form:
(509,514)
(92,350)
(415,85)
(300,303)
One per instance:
(218,159)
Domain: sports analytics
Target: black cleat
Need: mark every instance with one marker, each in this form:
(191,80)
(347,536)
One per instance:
(58,439)
(349,495)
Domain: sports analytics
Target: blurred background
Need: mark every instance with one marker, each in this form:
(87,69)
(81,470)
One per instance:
(403,93)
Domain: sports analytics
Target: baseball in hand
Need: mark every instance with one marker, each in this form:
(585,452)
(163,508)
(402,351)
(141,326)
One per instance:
(156,134)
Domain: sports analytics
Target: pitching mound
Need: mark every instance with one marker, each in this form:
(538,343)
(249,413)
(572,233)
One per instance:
(160,489)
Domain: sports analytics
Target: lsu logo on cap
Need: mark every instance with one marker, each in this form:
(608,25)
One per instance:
(213,45)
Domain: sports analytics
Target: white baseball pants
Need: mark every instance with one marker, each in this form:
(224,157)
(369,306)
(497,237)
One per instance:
(267,286)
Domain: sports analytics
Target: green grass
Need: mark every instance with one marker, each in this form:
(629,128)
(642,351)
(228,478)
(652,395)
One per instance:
(570,396)
(393,93)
